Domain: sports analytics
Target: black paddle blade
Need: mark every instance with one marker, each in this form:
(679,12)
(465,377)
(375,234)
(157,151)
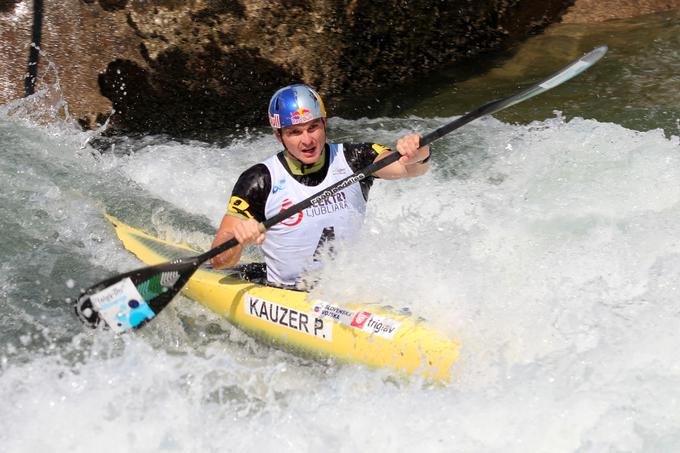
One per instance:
(129,300)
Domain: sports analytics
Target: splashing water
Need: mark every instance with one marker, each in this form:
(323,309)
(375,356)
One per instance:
(549,249)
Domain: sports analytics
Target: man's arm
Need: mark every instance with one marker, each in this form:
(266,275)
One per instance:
(413,162)
(245,212)
(244,230)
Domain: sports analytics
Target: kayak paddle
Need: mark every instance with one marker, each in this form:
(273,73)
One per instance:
(127,301)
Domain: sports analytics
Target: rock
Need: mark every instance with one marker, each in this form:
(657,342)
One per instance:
(190,68)
(589,11)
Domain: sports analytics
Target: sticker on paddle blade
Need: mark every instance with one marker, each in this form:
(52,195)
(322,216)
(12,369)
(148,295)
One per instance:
(121,306)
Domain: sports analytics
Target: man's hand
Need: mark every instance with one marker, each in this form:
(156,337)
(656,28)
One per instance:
(408,147)
(247,231)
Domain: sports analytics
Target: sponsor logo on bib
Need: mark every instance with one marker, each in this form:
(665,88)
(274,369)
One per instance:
(280,186)
(293,220)
(329,205)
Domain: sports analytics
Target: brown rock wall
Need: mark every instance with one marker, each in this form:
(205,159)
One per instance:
(78,42)
(589,11)
(192,67)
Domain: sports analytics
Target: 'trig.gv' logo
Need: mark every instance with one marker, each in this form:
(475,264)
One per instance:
(360,319)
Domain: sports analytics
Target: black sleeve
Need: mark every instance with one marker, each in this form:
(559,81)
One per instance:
(360,155)
(250,193)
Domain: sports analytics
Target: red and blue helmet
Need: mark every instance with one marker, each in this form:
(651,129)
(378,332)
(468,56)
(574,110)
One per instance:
(295,104)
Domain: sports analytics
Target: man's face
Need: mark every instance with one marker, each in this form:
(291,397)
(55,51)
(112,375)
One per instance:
(304,141)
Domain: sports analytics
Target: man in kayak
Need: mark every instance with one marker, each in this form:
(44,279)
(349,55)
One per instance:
(306,166)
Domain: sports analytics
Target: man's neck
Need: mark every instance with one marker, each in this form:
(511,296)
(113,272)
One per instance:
(298,168)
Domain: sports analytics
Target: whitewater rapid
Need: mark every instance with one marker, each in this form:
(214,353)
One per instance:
(551,250)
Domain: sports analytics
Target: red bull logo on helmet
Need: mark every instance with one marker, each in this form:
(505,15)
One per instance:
(295,104)
(301,116)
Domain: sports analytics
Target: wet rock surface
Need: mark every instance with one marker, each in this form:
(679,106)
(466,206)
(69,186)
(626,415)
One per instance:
(190,68)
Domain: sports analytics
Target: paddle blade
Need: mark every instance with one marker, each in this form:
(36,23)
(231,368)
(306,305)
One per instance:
(129,300)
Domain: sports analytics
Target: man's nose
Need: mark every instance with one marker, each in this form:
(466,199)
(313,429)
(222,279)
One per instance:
(307,138)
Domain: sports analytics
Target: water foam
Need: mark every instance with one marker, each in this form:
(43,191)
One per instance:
(549,249)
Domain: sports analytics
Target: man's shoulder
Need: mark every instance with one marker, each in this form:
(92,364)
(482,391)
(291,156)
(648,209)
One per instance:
(360,155)
(256,177)
(249,196)
(367,147)
(255,171)
(352,146)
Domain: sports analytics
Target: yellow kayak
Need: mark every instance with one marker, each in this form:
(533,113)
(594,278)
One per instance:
(292,320)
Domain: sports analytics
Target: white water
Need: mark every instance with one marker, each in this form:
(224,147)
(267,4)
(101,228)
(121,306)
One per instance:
(550,250)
